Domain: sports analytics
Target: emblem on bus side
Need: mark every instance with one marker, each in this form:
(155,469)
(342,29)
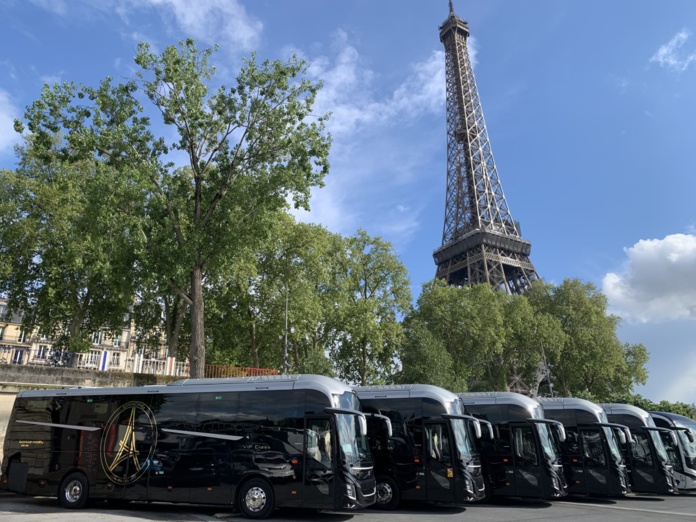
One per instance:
(128,442)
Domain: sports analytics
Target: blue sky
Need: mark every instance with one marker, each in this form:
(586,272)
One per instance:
(590,107)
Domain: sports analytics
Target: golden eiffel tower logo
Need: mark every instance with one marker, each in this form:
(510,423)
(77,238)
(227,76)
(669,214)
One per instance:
(127,449)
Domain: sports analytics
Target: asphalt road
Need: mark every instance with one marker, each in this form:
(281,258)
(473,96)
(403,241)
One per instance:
(15,508)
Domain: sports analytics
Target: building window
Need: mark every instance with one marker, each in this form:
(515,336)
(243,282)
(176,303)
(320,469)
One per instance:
(18,357)
(3,311)
(117,340)
(41,352)
(2,332)
(97,337)
(93,359)
(115,359)
(22,335)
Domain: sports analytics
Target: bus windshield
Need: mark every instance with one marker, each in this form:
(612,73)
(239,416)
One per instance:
(613,444)
(689,446)
(659,446)
(462,437)
(351,441)
(348,401)
(548,443)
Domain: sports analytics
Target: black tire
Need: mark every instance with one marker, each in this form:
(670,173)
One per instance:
(387,496)
(256,499)
(74,491)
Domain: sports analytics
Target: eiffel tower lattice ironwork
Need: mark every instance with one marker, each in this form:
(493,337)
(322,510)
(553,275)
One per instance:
(480,241)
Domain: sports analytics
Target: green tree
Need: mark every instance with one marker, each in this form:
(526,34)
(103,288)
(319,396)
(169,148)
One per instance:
(443,309)
(591,358)
(424,359)
(469,323)
(246,150)
(292,268)
(69,245)
(374,294)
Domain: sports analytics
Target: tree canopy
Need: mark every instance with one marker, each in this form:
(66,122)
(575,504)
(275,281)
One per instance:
(241,153)
(483,340)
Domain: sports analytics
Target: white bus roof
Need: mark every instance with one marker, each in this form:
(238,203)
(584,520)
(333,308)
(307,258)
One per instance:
(571,403)
(327,385)
(405,391)
(629,410)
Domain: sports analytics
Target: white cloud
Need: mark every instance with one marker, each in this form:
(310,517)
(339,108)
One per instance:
(55,6)
(365,127)
(620,82)
(669,55)
(52,79)
(213,21)
(472,47)
(658,282)
(8,113)
(348,90)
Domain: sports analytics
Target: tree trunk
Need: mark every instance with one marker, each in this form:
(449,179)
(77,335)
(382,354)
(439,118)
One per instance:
(178,321)
(363,366)
(197,353)
(254,346)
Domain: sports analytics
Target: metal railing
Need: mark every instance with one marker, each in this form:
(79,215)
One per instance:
(104,360)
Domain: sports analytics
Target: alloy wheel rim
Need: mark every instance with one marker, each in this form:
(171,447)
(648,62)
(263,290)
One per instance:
(255,499)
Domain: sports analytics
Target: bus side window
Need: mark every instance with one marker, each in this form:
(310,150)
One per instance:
(525,447)
(437,440)
(318,438)
(593,448)
(641,450)
(572,444)
(417,435)
(313,445)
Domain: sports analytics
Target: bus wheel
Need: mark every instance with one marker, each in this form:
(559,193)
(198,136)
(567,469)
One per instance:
(74,491)
(387,493)
(256,499)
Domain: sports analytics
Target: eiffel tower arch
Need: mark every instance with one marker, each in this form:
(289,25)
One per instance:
(480,241)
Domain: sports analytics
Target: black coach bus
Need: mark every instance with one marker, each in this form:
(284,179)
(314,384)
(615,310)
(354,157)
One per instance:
(682,454)
(523,459)
(257,443)
(648,463)
(430,454)
(592,458)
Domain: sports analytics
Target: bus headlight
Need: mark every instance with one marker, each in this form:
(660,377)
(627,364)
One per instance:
(350,491)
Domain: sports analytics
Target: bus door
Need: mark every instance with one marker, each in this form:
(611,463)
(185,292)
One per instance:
(646,475)
(595,459)
(527,460)
(499,461)
(573,462)
(320,462)
(674,451)
(439,462)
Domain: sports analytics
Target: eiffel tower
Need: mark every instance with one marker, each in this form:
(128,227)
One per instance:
(480,241)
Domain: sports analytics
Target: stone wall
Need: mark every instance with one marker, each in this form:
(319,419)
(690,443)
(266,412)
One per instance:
(14,378)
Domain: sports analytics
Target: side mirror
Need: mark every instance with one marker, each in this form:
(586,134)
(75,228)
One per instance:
(363,425)
(689,434)
(561,432)
(387,422)
(477,428)
(675,439)
(622,436)
(629,437)
(489,427)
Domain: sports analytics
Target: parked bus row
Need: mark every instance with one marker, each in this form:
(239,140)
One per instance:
(260,443)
